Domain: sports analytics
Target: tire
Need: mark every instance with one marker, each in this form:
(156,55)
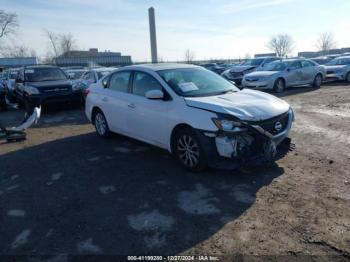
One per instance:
(279,85)
(101,124)
(317,81)
(188,151)
(347,77)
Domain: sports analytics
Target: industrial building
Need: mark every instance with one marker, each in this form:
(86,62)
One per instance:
(92,57)
(12,62)
(337,51)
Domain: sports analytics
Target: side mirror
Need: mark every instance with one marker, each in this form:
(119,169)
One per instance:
(154,94)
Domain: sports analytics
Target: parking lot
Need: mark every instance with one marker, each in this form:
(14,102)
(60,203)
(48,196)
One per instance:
(66,191)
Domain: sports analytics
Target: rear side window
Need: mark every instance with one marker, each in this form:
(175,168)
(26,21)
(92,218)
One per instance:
(120,82)
(143,83)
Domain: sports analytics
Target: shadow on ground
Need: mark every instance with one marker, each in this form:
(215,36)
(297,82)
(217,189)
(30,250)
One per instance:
(84,194)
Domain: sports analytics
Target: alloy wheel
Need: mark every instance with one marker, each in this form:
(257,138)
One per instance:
(100,124)
(188,151)
(318,80)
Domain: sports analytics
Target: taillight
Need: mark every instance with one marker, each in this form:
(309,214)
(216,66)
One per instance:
(86,92)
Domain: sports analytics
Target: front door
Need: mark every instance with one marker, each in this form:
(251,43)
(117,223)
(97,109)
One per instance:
(147,118)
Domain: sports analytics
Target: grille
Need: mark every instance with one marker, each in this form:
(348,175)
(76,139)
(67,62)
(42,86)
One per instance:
(235,74)
(269,124)
(57,89)
(330,72)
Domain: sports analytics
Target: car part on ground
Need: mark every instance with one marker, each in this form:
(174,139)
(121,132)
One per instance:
(195,114)
(15,134)
(279,75)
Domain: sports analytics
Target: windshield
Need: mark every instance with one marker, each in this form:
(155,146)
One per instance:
(252,62)
(339,61)
(196,82)
(44,74)
(276,66)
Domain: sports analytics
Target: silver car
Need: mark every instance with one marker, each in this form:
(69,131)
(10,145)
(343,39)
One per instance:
(236,72)
(339,69)
(284,73)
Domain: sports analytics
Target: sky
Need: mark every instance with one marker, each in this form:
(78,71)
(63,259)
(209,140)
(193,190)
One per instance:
(209,28)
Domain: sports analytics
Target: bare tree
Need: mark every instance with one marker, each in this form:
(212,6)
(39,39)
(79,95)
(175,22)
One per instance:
(18,51)
(8,23)
(281,44)
(325,42)
(67,43)
(189,56)
(53,40)
(60,43)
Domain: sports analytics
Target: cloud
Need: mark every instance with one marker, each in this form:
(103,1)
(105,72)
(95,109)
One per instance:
(245,5)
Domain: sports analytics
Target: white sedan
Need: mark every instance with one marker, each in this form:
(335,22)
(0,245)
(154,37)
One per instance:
(200,117)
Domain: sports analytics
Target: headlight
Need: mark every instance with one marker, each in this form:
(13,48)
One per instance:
(31,90)
(227,125)
(75,87)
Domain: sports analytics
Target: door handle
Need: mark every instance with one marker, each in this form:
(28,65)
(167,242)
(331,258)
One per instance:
(105,99)
(131,105)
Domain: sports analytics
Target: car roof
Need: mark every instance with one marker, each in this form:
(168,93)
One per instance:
(40,66)
(103,69)
(161,66)
(342,57)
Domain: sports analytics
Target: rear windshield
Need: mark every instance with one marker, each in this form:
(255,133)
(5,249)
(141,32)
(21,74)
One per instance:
(44,74)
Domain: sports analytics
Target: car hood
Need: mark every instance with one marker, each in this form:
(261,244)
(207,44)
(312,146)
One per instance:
(247,105)
(262,73)
(239,69)
(334,67)
(51,84)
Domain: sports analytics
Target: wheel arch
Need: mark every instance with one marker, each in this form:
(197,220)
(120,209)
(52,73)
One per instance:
(176,129)
(94,110)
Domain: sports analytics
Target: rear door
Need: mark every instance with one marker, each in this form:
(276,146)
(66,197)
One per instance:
(114,100)
(294,74)
(308,70)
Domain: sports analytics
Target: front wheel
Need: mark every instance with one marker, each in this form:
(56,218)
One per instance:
(317,81)
(188,151)
(279,85)
(101,124)
(347,78)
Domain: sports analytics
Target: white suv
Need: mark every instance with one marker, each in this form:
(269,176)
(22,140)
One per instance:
(200,117)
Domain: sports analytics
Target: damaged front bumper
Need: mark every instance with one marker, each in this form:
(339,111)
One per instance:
(256,143)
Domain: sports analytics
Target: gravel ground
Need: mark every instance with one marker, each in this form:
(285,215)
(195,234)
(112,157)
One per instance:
(66,191)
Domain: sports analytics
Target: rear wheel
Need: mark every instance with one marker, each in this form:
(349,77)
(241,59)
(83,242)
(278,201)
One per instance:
(101,124)
(317,81)
(188,151)
(279,85)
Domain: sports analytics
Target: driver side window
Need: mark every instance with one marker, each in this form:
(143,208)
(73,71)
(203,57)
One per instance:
(143,83)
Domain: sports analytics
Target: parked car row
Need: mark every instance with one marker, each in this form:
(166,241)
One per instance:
(277,74)
(47,84)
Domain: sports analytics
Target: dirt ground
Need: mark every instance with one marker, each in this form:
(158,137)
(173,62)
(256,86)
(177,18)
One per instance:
(66,191)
